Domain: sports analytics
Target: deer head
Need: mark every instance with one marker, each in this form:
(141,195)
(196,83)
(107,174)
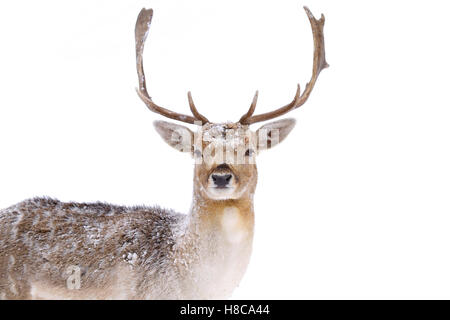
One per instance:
(225,153)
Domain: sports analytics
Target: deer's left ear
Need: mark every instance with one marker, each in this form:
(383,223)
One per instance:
(271,134)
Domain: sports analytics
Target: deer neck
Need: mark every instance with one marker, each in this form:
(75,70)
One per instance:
(230,221)
(220,237)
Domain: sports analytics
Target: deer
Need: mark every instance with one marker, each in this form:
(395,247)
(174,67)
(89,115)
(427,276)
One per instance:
(65,250)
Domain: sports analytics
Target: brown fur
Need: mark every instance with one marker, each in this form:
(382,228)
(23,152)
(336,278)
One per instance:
(136,252)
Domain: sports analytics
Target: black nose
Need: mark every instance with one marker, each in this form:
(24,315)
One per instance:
(221,180)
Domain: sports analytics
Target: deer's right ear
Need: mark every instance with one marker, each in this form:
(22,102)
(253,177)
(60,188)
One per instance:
(176,136)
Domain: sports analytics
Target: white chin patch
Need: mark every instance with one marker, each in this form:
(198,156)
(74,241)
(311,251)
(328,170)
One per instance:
(221,193)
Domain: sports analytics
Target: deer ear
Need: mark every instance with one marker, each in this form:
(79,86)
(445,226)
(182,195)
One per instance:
(176,136)
(272,133)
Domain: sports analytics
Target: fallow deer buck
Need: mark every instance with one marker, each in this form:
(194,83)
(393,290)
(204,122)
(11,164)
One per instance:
(53,250)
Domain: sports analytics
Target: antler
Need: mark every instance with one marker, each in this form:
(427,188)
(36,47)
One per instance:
(141,31)
(319,63)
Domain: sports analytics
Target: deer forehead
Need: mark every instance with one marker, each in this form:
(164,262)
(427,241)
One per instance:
(229,135)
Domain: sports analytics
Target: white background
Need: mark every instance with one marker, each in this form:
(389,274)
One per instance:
(354,204)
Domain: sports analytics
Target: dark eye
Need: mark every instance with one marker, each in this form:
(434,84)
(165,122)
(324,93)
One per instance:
(197,153)
(249,152)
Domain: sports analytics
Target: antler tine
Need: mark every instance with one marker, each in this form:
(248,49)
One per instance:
(141,31)
(319,63)
(194,110)
(251,109)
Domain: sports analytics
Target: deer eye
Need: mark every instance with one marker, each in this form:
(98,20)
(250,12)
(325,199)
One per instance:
(197,153)
(249,152)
